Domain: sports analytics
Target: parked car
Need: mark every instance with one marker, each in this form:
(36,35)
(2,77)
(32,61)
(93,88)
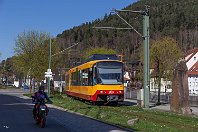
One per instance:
(25,86)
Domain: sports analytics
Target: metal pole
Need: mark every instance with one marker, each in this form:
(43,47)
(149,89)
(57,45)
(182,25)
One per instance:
(61,83)
(146,81)
(146,59)
(49,67)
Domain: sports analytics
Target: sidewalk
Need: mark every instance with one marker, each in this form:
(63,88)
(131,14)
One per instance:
(162,107)
(14,91)
(166,107)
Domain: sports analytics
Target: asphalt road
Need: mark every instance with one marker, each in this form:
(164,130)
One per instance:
(16,116)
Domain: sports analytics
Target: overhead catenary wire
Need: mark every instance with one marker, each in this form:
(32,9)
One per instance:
(130,26)
(65,49)
(116,11)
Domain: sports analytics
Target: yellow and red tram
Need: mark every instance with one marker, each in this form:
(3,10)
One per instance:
(100,79)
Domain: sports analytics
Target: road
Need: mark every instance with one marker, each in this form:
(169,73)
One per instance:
(16,116)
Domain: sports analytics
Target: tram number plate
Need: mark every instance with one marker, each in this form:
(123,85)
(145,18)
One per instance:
(112,97)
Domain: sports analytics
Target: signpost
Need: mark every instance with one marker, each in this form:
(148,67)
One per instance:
(48,75)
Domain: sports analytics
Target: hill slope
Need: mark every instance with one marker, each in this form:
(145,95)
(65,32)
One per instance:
(175,18)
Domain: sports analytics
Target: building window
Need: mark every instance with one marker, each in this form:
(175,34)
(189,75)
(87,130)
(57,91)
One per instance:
(152,84)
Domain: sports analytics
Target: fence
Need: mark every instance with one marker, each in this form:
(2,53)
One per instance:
(164,97)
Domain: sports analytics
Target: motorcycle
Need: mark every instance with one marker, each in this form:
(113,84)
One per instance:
(41,111)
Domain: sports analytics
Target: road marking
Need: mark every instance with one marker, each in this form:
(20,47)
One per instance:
(6,127)
(19,104)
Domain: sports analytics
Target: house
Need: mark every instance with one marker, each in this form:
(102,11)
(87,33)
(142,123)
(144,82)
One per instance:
(165,86)
(191,58)
(193,79)
(126,79)
(192,65)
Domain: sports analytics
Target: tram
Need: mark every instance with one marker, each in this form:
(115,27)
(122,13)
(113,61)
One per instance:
(99,79)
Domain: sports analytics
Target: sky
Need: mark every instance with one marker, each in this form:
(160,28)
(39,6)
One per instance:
(51,16)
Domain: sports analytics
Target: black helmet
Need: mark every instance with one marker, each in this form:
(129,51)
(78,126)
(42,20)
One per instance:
(41,88)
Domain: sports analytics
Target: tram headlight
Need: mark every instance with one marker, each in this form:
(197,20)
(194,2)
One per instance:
(101,92)
(120,91)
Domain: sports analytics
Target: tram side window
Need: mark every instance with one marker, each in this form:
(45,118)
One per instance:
(79,77)
(74,78)
(90,77)
(84,77)
(94,75)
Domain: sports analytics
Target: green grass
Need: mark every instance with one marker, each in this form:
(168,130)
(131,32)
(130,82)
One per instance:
(2,87)
(149,120)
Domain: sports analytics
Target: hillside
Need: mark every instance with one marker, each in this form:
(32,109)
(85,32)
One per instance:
(175,18)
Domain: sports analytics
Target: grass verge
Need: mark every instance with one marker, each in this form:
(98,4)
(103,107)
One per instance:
(2,87)
(149,120)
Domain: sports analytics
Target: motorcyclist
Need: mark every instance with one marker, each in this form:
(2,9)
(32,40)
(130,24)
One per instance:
(38,97)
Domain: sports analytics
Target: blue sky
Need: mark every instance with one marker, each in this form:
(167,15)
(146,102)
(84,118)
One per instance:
(53,16)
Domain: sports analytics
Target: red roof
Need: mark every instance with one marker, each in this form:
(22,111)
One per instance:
(127,79)
(194,69)
(191,52)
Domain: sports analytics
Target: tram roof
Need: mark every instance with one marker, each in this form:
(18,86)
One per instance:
(97,57)
(103,57)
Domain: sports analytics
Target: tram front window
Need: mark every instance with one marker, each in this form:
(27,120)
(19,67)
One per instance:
(110,76)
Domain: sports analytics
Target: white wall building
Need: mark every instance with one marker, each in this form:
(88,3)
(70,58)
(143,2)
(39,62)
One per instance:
(193,79)
(126,79)
(165,86)
(192,65)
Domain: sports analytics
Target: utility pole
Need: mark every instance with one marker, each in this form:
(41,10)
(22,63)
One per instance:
(49,69)
(48,74)
(146,57)
(145,36)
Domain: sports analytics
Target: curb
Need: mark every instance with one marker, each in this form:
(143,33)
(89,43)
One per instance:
(66,110)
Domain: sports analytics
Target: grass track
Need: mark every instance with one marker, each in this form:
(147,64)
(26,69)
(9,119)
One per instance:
(149,120)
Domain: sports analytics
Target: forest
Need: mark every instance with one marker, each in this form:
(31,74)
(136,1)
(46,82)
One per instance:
(174,18)
(177,19)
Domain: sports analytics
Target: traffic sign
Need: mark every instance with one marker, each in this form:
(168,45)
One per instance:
(48,76)
(48,73)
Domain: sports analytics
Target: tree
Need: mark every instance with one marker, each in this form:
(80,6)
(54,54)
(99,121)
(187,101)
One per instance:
(40,61)
(164,55)
(32,52)
(176,18)
(98,50)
